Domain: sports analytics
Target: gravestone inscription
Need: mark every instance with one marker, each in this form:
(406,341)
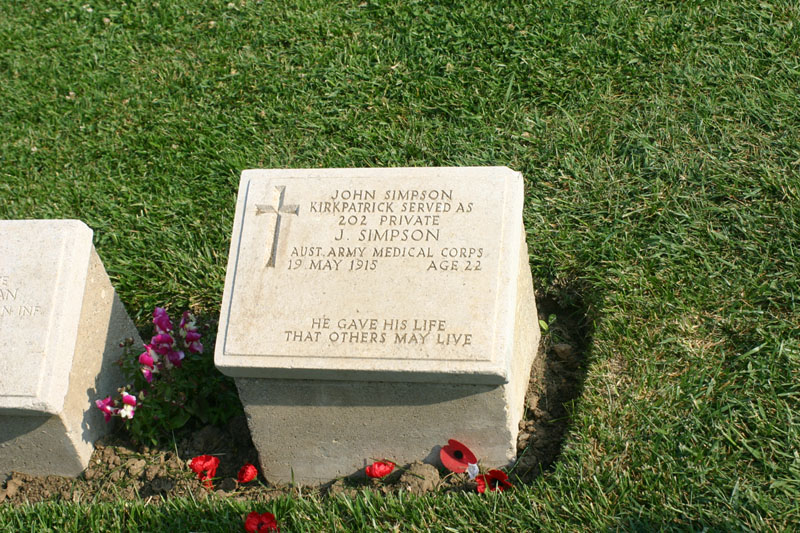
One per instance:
(412,278)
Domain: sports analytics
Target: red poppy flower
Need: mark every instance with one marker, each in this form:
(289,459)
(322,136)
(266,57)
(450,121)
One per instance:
(258,523)
(380,468)
(456,457)
(494,480)
(205,466)
(247,473)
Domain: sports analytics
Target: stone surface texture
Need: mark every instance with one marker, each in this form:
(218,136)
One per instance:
(394,311)
(60,329)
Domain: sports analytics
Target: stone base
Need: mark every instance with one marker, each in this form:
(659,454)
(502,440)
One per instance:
(312,431)
(62,444)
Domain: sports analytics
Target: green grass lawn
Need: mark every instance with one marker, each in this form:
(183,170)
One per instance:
(660,143)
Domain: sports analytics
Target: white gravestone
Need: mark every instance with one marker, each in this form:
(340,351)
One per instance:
(377,313)
(60,327)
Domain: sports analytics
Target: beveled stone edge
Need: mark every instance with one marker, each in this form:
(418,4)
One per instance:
(493,371)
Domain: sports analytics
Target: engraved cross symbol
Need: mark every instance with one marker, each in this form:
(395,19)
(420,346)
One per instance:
(281,209)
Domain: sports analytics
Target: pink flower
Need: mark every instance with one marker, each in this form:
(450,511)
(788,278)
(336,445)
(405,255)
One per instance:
(175,358)
(205,466)
(128,399)
(187,323)
(146,359)
(129,405)
(247,473)
(162,343)
(456,457)
(107,406)
(193,342)
(161,320)
(151,352)
(380,469)
(163,338)
(195,347)
(493,480)
(260,523)
(190,334)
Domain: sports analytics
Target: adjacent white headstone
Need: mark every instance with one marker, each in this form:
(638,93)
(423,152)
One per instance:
(60,328)
(373,313)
